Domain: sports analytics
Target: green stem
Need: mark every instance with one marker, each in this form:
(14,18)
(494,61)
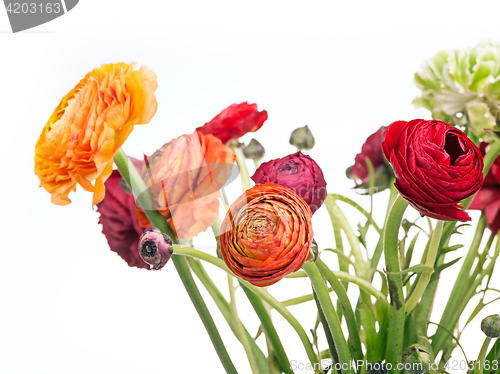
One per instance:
(242,165)
(380,244)
(329,338)
(351,236)
(280,308)
(269,330)
(223,306)
(354,339)
(216,227)
(426,275)
(358,207)
(456,296)
(143,196)
(239,327)
(331,317)
(395,335)
(343,260)
(347,277)
(482,355)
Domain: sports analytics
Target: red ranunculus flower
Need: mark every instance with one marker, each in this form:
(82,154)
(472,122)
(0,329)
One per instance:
(488,197)
(118,220)
(234,122)
(371,149)
(298,172)
(436,166)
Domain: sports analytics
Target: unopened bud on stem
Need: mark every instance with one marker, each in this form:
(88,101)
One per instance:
(417,359)
(254,150)
(155,248)
(491,326)
(302,138)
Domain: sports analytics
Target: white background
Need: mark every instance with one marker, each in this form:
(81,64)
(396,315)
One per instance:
(69,304)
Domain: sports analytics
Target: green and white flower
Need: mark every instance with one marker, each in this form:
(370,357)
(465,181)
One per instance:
(462,87)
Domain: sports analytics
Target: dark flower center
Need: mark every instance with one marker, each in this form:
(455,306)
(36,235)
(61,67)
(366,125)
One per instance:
(290,168)
(453,148)
(149,249)
(258,224)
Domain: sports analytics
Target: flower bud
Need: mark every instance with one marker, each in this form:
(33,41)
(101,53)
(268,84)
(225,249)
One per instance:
(254,150)
(155,248)
(417,359)
(491,326)
(302,138)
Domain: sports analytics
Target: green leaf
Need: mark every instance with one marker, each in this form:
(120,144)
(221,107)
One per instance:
(451,248)
(383,316)
(413,269)
(368,322)
(409,252)
(440,268)
(411,336)
(259,333)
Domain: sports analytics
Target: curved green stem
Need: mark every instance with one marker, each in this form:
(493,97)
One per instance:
(482,355)
(224,308)
(239,327)
(331,317)
(347,277)
(397,317)
(354,339)
(143,196)
(449,317)
(280,308)
(358,207)
(329,338)
(269,330)
(426,275)
(333,208)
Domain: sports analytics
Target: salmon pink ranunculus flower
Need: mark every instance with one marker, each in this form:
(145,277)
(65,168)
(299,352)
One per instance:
(89,126)
(234,122)
(267,234)
(185,177)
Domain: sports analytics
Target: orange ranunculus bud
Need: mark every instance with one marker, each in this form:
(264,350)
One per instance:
(185,177)
(266,234)
(89,126)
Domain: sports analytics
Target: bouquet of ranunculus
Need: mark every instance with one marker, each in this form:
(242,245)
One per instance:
(151,209)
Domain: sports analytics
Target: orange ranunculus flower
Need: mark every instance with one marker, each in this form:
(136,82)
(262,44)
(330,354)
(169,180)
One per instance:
(89,126)
(266,234)
(185,177)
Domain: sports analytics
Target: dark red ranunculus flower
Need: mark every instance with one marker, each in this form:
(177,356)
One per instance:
(234,122)
(436,166)
(488,197)
(298,172)
(371,149)
(118,220)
